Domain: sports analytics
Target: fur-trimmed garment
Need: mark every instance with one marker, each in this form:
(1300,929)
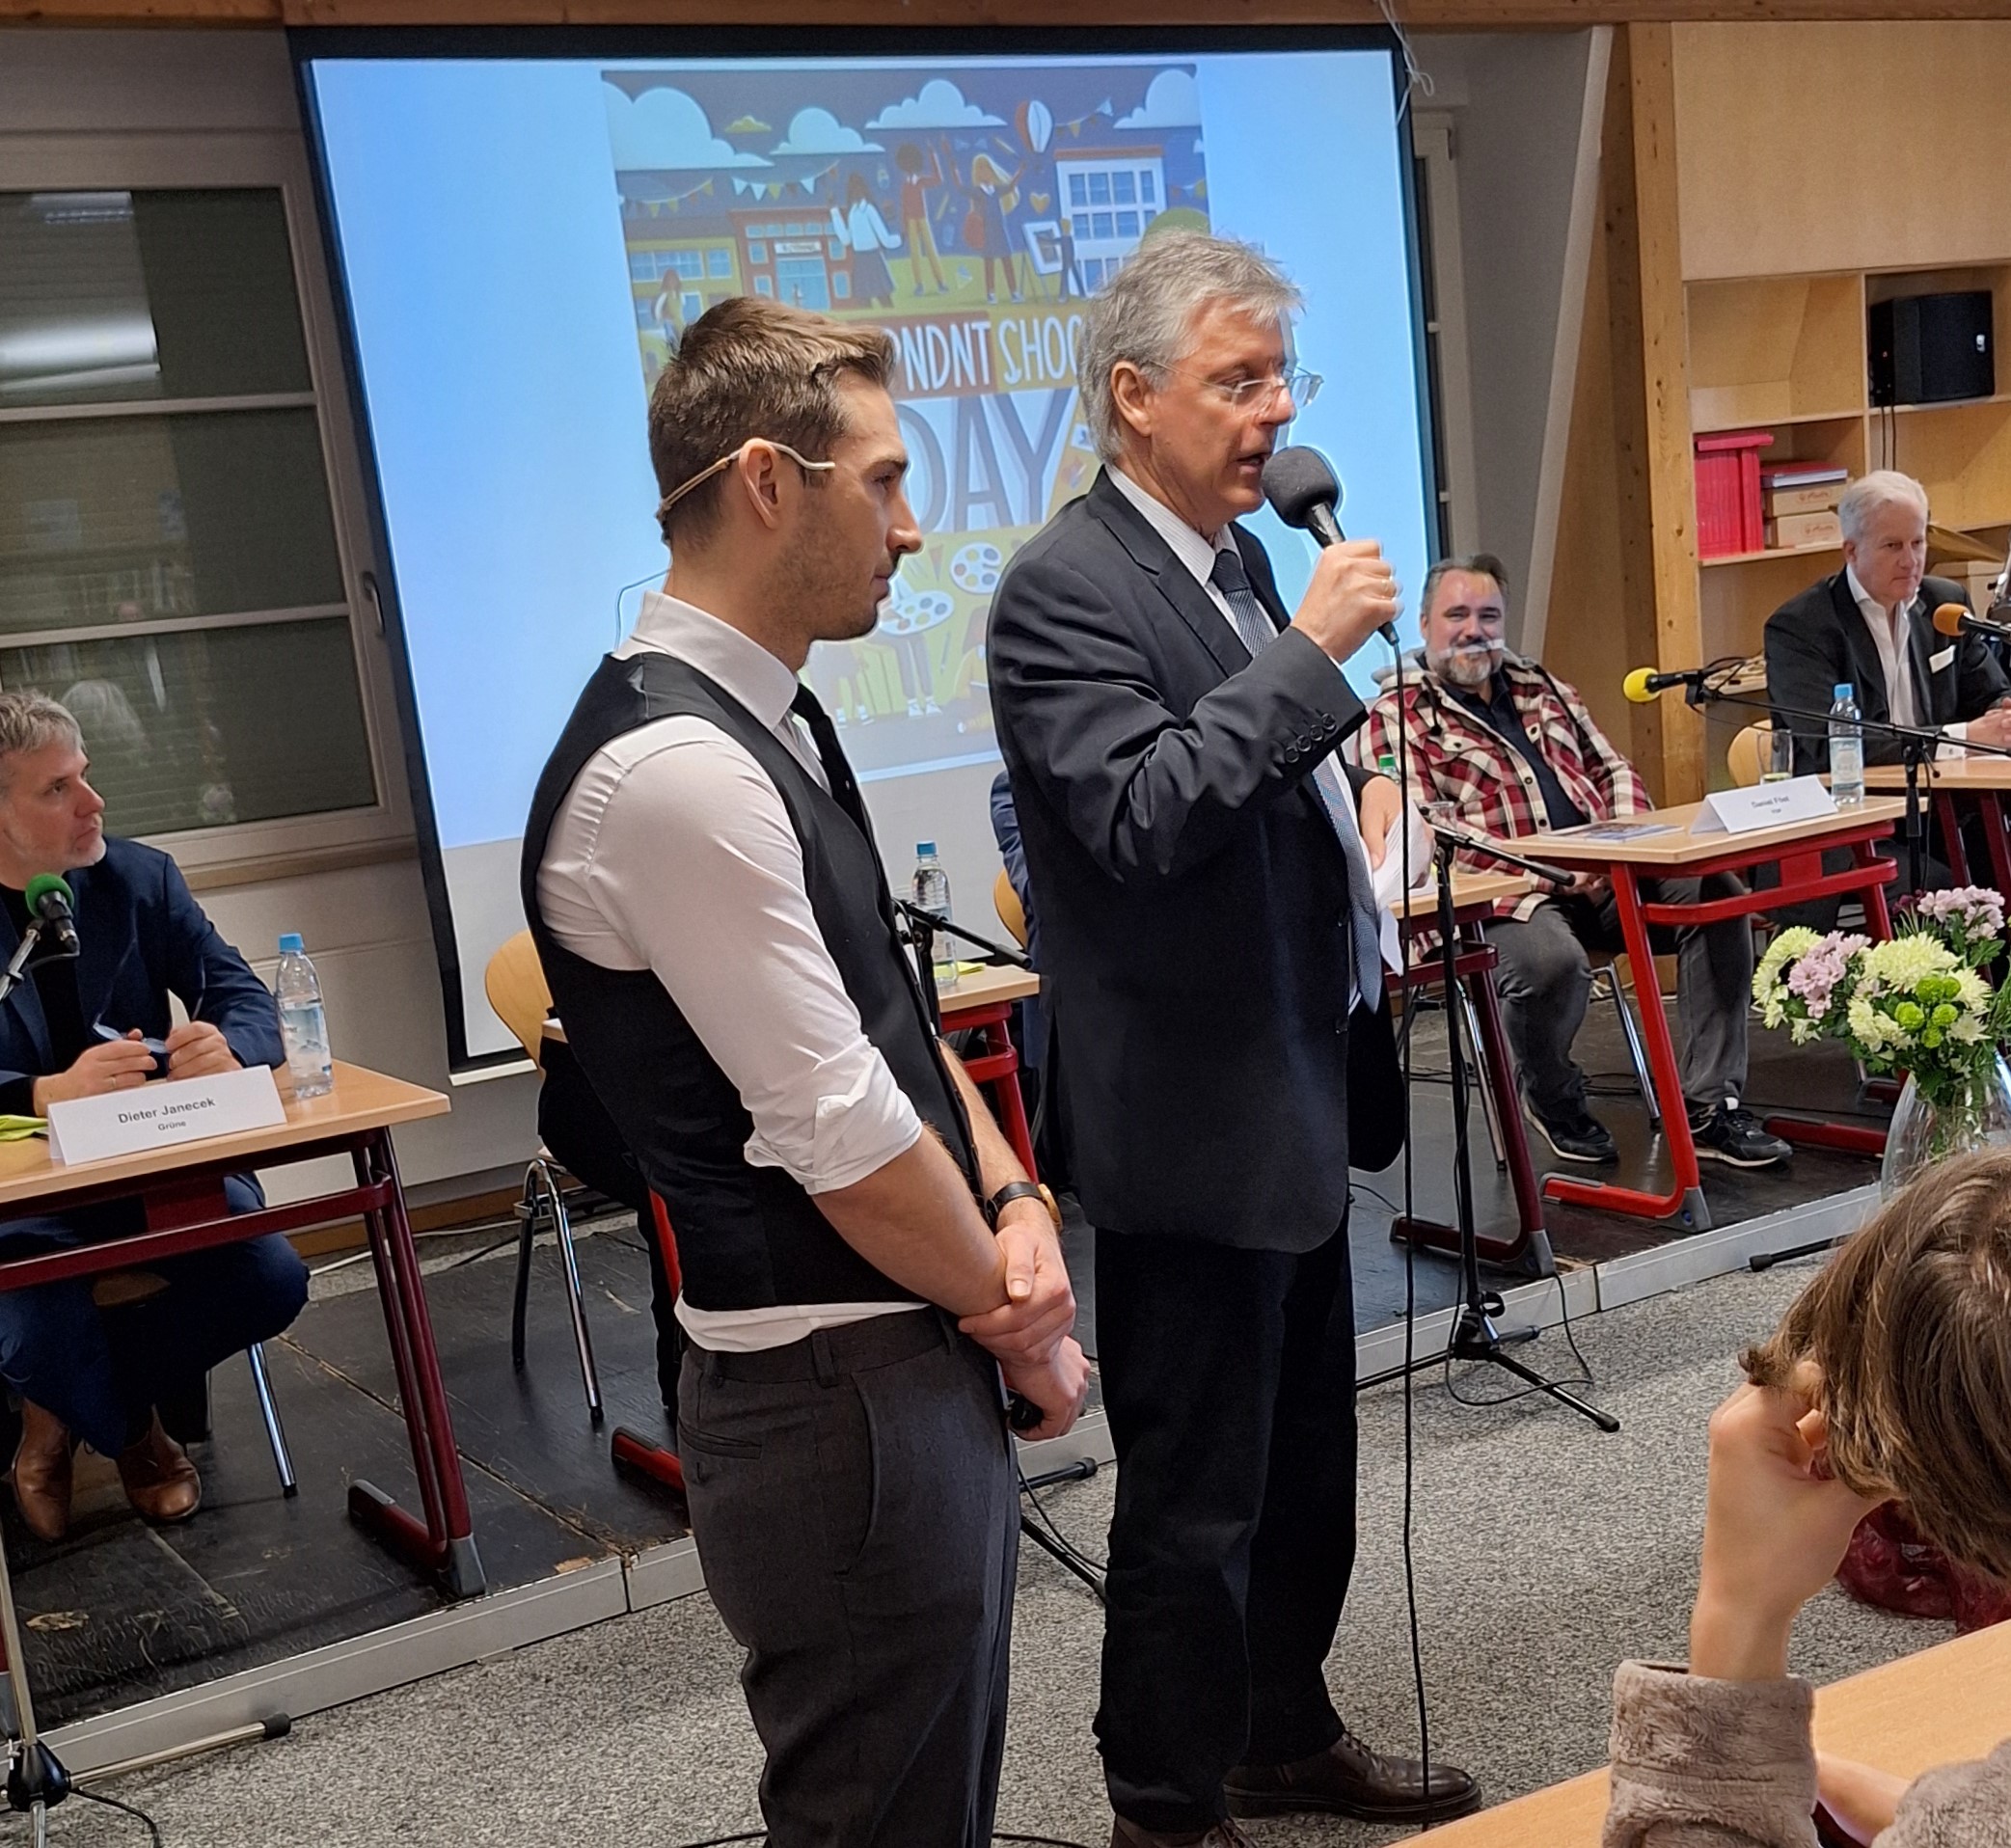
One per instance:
(1729,1764)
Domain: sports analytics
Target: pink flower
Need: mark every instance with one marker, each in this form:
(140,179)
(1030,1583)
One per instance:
(1814,976)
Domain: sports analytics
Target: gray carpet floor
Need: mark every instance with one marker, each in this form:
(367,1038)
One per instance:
(1545,1551)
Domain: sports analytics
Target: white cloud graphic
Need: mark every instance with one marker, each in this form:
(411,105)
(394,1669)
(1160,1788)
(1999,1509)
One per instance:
(1174,101)
(664,129)
(940,105)
(817,131)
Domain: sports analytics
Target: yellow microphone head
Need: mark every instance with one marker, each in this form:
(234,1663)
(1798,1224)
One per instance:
(1947,618)
(1635,687)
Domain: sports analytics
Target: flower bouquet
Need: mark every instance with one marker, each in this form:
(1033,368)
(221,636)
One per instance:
(1918,1004)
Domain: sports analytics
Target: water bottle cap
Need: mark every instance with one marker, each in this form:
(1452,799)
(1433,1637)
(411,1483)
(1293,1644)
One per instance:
(291,941)
(1844,691)
(925,849)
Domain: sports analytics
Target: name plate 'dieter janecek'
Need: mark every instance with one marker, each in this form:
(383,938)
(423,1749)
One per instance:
(164,1114)
(1739,811)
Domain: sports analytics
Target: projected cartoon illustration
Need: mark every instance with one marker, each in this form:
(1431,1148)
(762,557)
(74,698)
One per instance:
(970,213)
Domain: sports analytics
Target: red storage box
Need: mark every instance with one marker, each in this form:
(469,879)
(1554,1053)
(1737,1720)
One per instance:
(1729,515)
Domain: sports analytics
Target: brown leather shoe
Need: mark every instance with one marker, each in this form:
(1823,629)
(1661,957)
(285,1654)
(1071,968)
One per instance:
(41,1473)
(1349,1779)
(1223,1835)
(160,1481)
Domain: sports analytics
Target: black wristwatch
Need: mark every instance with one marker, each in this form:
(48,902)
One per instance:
(1021,1190)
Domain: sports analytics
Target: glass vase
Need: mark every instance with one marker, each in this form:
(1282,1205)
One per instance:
(1922,1134)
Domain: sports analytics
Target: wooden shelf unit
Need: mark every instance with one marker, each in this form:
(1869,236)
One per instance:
(1789,354)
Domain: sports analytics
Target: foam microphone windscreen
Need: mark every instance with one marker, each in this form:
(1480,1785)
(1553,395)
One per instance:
(1298,479)
(1947,618)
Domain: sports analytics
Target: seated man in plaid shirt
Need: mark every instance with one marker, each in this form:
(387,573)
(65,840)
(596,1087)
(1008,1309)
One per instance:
(1517,751)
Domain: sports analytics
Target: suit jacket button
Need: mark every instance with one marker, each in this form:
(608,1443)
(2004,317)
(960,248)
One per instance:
(1291,754)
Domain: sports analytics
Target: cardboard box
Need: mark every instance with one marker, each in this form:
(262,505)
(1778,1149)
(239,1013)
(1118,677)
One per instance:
(1975,578)
(1804,529)
(1820,499)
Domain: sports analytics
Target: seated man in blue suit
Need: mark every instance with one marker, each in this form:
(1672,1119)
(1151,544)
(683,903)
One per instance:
(82,1373)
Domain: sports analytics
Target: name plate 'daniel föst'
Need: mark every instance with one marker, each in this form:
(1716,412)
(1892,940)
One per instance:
(164,1114)
(1739,811)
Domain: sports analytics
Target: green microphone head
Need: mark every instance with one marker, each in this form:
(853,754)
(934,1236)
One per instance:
(46,885)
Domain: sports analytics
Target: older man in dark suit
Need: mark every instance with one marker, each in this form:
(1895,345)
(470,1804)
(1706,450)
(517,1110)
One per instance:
(73,1029)
(1209,946)
(1872,624)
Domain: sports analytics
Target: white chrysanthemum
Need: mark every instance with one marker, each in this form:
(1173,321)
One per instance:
(1875,1033)
(1901,964)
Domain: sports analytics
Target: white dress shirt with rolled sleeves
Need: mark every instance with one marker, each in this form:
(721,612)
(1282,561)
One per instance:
(674,853)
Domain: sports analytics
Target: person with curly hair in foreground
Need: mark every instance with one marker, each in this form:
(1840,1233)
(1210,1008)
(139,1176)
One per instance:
(1888,1380)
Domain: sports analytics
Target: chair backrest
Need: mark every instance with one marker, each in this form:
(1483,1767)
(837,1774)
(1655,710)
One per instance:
(515,984)
(1745,757)
(1011,912)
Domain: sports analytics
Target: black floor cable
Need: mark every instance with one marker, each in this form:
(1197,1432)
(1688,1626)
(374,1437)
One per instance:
(1061,1539)
(112,1803)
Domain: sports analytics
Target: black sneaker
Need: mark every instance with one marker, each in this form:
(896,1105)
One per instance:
(1579,1138)
(1736,1136)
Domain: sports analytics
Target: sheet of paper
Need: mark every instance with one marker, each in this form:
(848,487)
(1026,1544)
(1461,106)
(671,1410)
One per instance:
(1389,880)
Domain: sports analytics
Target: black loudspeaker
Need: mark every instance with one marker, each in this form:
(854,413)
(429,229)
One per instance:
(1928,349)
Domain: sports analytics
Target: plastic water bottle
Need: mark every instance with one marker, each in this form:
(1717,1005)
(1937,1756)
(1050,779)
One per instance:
(303,1021)
(931,892)
(1846,750)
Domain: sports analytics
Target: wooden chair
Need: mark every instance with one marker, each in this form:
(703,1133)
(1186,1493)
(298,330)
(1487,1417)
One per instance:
(1747,755)
(1011,912)
(514,982)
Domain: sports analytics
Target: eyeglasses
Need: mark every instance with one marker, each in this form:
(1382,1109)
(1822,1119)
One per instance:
(731,456)
(1260,393)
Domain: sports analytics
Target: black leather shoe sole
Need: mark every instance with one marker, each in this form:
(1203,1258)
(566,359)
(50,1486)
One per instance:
(1311,1802)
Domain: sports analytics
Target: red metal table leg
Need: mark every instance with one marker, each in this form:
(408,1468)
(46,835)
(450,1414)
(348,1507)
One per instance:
(1989,806)
(630,1450)
(1005,1092)
(1686,1202)
(1952,843)
(445,1543)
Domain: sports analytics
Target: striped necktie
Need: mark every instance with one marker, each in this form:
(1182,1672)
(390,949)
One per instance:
(1258,631)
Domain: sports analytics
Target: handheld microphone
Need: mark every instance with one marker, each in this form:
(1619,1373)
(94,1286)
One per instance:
(1645,683)
(1951,620)
(53,906)
(1305,492)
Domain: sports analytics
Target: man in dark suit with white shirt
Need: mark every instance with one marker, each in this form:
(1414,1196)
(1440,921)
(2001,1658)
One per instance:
(1211,949)
(1872,625)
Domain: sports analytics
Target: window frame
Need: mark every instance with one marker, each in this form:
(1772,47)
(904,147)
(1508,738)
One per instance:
(246,852)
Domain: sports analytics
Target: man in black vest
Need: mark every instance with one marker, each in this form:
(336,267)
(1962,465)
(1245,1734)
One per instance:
(1211,949)
(861,1254)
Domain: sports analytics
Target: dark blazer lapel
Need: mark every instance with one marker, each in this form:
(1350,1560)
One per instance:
(1920,638)
(25,1001)
(100,952)
(1872,672)
(1177,584)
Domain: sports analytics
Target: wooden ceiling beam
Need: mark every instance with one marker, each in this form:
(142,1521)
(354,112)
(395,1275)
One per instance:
(1466,15)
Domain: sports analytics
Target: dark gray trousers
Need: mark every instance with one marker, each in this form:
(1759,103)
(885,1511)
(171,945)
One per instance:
(1545,977)
(854,1505)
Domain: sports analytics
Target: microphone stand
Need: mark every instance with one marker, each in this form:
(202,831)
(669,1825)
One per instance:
(17,964)
(1917,742)
(1475,1336)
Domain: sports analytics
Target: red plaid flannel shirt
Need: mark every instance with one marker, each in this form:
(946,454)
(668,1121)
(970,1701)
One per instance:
(1457,758)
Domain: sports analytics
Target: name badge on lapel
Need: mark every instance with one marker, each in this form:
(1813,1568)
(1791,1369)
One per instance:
(1936,663)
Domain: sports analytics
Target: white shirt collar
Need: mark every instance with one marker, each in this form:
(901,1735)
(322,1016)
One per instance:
(1193,551)
(1865,601)
(739,663)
